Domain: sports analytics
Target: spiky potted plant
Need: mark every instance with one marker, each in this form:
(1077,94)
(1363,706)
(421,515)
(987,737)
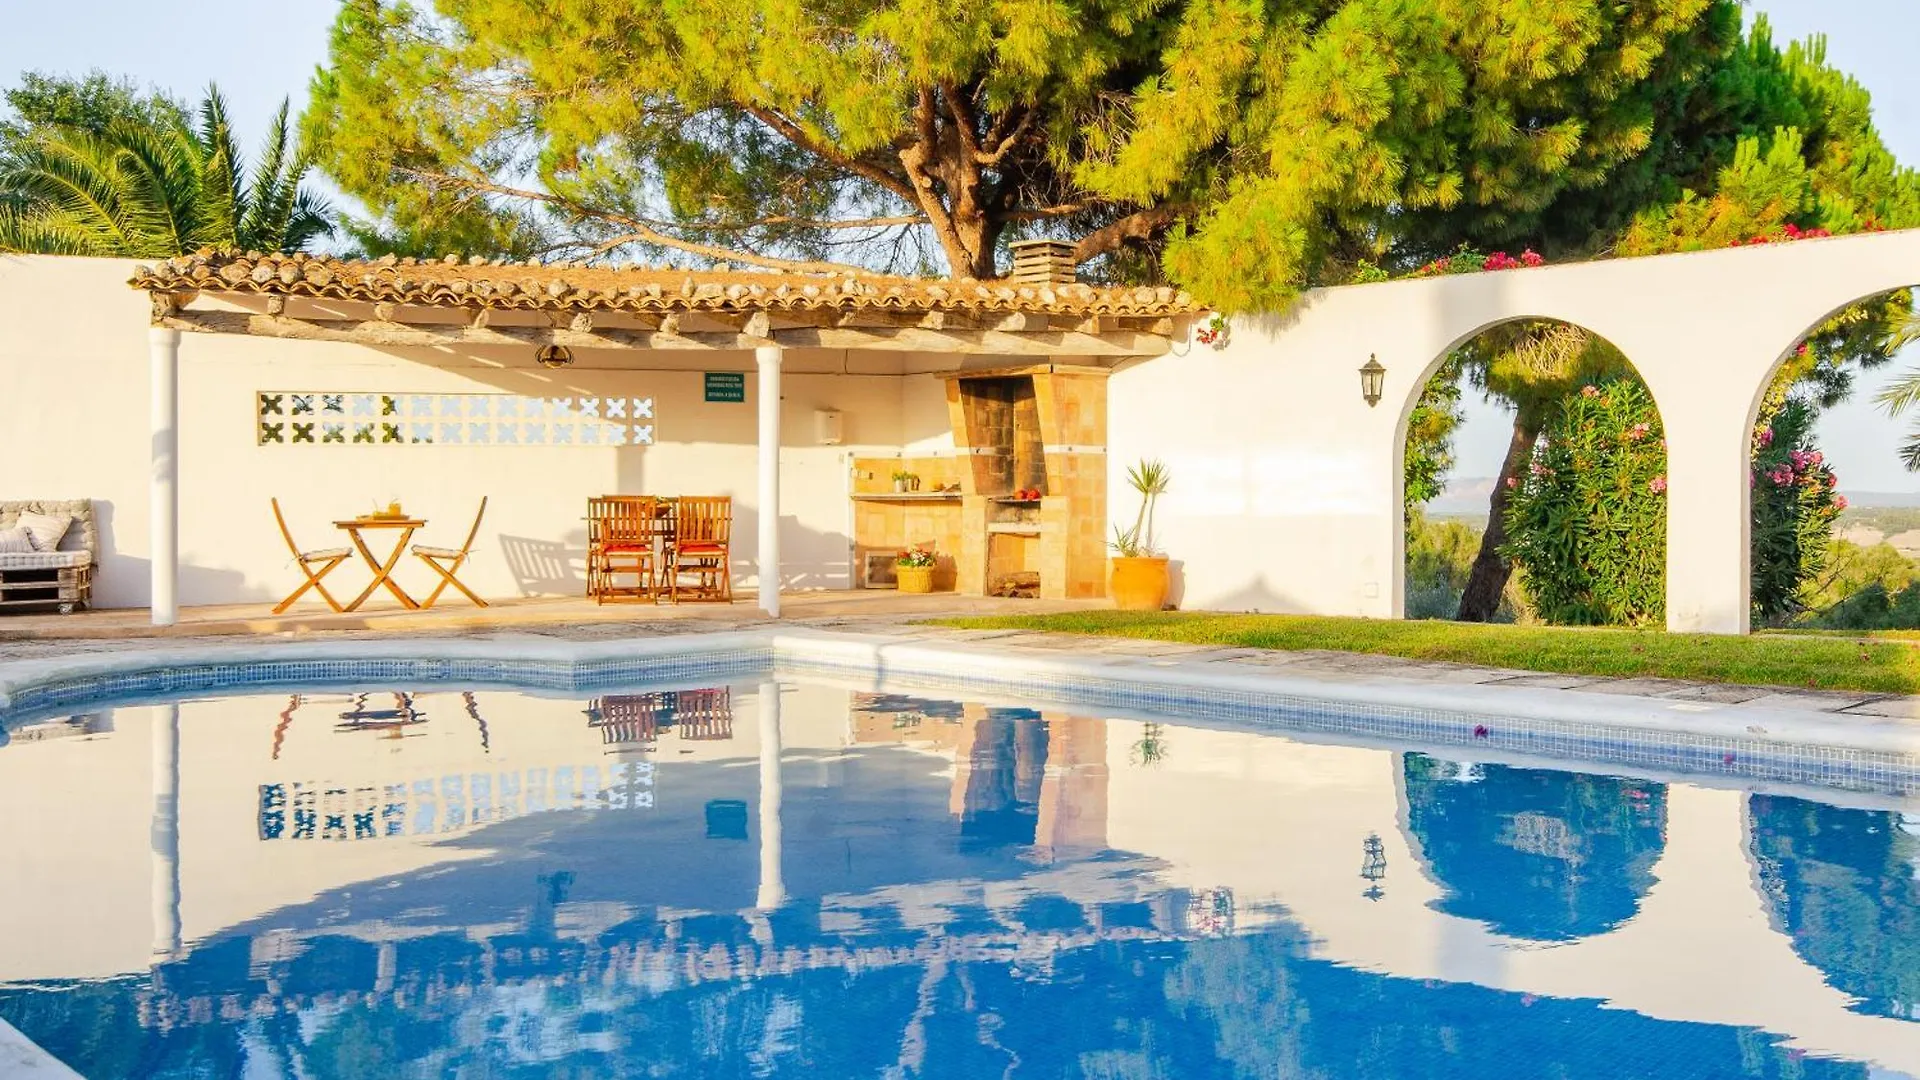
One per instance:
(1139,571)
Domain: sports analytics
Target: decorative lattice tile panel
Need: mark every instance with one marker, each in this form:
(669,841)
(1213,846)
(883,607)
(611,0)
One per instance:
(315,418)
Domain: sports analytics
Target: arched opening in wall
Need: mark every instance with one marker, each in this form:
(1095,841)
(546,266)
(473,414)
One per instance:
(1834,501)
(1533,471)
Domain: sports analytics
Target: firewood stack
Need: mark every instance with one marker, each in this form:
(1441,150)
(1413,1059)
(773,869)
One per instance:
(1024,585)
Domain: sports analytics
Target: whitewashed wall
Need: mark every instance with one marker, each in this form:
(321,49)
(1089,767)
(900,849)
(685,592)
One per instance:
(73,423)
(1286,486)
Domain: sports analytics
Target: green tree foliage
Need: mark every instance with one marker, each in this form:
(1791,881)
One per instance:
(768,132)
(1430,438)
(1440,557)
(1590,509)
(90,169)
(1274,142)
(93,104)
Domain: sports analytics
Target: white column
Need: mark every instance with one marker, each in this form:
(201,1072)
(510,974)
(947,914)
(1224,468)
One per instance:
(164,832)
(1709,557)
(163,507)
(768,357)
(773,886)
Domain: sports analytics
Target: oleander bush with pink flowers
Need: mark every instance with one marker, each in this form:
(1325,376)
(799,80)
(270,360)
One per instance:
(1588,523)
(1795,503)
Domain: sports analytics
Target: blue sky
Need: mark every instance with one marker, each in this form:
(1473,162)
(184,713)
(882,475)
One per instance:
(260,52)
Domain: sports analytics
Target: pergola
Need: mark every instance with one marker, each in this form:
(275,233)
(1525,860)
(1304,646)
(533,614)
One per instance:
(1038,316)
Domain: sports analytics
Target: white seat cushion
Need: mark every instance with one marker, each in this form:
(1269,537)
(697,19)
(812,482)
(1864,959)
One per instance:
(324,554)
(438,553)
(44,560)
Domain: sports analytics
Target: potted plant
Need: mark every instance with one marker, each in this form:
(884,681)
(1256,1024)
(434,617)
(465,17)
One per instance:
(901,478)
(1139,578)
(913,569)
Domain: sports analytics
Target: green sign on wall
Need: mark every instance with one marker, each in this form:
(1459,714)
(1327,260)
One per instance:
(726,386)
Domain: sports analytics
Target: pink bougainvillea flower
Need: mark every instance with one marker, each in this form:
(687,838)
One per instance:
(1766,437)
(1531,257)
(1513,482)
(1839,502)
(1657,485)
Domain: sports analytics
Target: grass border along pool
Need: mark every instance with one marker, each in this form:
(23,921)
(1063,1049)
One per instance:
(1798,662)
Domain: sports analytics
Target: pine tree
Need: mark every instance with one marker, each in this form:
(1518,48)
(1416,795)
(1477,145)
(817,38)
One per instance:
(1254,145)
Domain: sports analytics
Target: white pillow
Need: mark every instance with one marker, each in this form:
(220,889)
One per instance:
(15,541)
(45,529)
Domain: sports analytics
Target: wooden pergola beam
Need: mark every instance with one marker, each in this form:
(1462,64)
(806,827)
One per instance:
(583,332)
(384,334)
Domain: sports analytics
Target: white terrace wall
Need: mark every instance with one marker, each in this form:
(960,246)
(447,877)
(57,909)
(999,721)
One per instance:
(1286,486)
(74,423)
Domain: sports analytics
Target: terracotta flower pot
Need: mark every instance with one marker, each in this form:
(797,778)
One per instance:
(1139,584)
(914,579)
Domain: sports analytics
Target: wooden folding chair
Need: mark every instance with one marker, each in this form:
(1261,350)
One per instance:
(324,558)
(702,547)
(447,562)
(621,530)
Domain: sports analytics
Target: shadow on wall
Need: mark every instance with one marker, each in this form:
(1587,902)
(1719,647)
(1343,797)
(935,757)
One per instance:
(558,567)
(1257,596)
(547,567)
(126,581)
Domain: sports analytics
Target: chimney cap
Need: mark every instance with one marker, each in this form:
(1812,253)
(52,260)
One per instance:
(1038,262)
(1041,247)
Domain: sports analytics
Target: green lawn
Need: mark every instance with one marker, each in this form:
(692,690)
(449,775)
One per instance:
(1804,662)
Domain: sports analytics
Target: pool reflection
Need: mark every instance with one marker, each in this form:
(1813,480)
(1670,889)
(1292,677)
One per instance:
(1538,854)
(726,882)
(1844,884)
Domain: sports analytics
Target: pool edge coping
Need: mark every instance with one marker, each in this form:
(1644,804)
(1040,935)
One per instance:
(993,666)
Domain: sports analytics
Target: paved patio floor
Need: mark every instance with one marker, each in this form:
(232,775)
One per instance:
(573,617)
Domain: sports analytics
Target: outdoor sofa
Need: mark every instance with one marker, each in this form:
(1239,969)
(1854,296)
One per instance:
(63,576)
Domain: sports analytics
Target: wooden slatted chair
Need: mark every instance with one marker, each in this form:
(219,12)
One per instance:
(621,530)
(326,559)
(702,547)
(447,562)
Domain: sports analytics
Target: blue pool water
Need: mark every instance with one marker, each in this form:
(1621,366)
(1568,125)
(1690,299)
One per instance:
(690,883)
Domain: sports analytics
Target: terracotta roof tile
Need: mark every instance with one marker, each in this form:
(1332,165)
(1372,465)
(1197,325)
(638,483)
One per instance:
(477,282)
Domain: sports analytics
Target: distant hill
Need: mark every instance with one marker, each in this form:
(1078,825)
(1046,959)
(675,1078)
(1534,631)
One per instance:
(1465,496)
(1872,499)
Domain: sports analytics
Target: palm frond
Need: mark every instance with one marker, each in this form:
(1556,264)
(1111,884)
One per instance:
(1901,394)
(77,180)
(157,187)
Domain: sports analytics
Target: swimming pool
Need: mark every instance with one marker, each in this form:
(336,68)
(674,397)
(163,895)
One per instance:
(734,878)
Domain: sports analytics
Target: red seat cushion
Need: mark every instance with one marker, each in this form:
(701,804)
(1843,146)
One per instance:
(701,547)
(625,546)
